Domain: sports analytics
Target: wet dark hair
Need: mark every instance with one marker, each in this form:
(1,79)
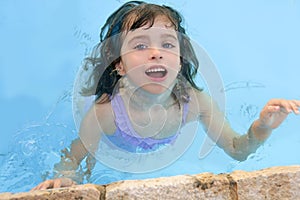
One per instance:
(132,15)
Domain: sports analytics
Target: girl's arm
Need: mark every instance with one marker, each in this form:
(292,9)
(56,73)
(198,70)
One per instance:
(65,170)
(239,146)
(89,137)
(70,161)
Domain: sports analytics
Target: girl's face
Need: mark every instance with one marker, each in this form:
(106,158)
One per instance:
(150,56)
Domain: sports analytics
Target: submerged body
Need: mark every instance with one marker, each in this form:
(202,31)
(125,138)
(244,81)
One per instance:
(156,95)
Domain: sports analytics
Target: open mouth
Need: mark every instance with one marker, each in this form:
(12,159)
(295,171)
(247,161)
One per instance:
(156,72)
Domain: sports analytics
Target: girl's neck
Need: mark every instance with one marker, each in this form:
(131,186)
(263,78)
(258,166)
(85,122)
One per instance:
(138,98)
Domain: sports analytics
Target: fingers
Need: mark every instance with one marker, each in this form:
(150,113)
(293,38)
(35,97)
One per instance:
(63,182)
(295,104)
(56,183)
(44,185)
(285,106)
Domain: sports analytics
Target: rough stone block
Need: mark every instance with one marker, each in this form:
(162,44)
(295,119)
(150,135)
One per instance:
(83,192)
(276,183)
(271,183)
(204,186)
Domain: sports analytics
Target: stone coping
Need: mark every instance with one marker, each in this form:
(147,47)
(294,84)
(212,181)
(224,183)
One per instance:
(271,183)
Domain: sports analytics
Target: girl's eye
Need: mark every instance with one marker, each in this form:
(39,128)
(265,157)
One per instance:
(140,46)
(168,45)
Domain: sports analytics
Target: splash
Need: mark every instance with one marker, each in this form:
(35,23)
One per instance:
(36,148)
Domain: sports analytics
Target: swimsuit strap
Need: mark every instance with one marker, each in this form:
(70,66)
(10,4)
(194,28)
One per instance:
(121,117)
(185,112)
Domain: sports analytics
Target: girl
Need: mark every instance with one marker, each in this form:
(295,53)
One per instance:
(143,82)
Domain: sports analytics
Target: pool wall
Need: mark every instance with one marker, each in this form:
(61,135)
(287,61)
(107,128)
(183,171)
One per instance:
(270,183)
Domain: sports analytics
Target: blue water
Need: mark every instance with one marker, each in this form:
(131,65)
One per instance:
(254,45)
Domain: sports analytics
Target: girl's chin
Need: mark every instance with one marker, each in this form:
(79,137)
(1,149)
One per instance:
(155,89)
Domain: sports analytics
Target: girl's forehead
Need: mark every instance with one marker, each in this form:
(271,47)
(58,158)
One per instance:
(160,20)
(161,27)
(163,21)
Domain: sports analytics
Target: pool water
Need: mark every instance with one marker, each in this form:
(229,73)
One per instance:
(254,46)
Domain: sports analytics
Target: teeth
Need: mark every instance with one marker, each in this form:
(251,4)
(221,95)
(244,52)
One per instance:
(155,70)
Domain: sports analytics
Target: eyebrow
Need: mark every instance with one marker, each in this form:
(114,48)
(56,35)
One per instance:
(141,37)
(167,35)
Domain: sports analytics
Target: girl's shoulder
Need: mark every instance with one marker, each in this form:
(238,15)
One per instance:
(200,104)
(200,97)
(203,104)
(102,114)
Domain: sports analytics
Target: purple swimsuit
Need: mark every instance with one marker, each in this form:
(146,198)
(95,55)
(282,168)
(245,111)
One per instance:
(125,136)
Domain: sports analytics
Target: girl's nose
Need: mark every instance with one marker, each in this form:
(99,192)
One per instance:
(155,53)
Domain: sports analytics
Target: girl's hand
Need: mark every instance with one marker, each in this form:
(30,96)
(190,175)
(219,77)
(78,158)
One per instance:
(55,183)
(275,111)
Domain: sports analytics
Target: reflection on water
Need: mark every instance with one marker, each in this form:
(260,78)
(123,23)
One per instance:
(241,85)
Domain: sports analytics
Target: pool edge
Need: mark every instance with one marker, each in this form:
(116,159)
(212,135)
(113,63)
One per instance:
(282,182)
